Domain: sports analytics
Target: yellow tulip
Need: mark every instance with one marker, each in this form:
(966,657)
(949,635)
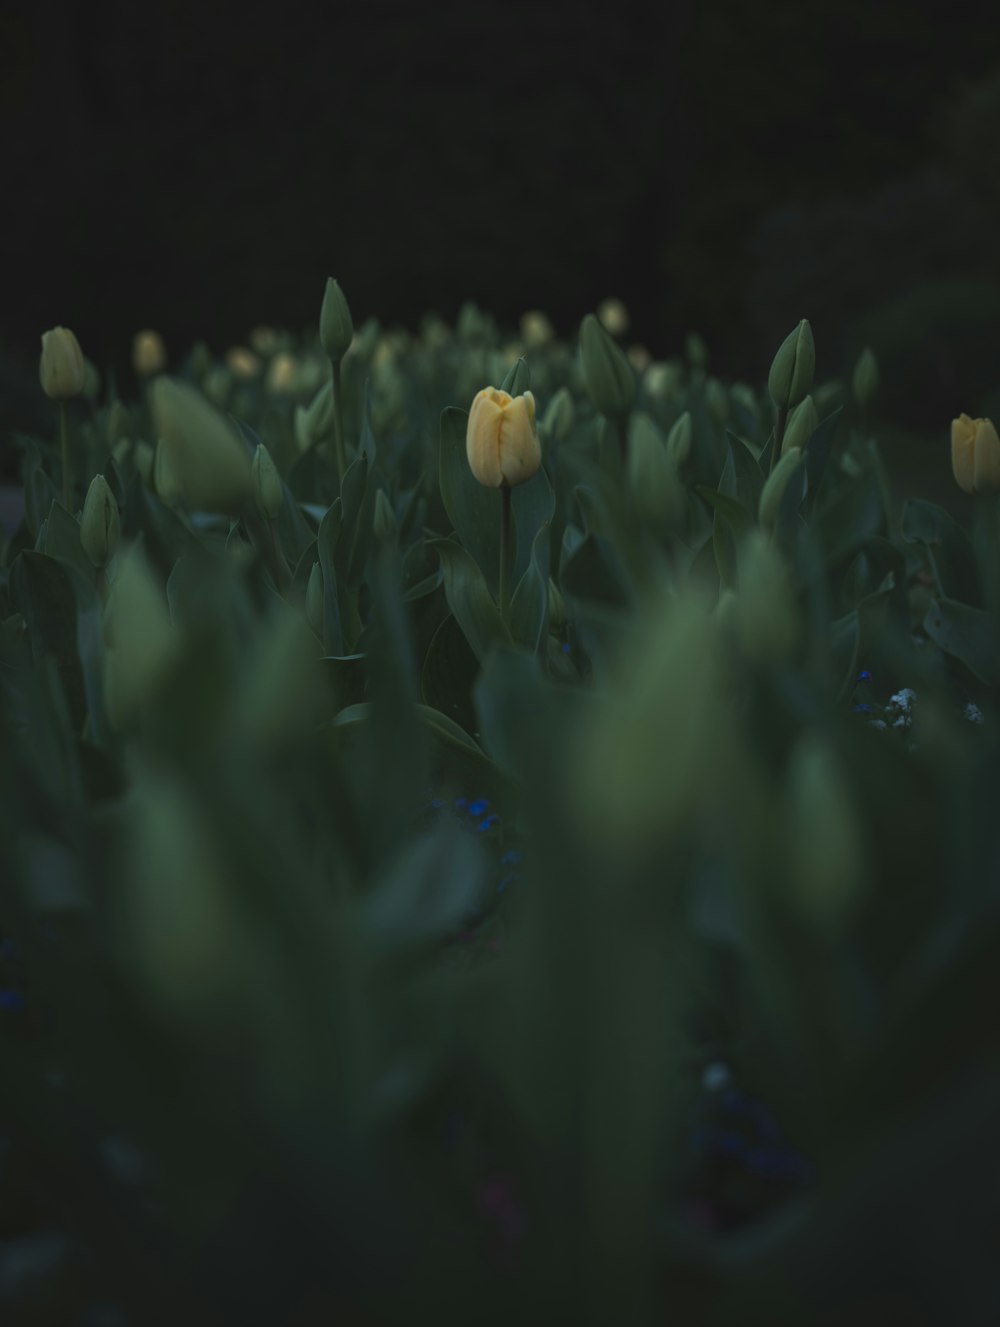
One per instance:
(149,354)
(975,454)
(61,370)
(500,441)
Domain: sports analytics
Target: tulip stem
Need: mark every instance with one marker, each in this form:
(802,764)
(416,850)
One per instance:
(67,471)
(504,552)
(779,434)
(338,420)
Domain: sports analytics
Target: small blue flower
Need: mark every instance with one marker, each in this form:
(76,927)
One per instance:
(479,808)
(862,709)
(488,823)
(864,676)
(511,857)
(566,648)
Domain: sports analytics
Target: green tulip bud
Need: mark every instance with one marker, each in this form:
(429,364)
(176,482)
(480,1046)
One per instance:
(715,401)
(802,423)
(163,479)
(559,415)
(655,484)
(518,380)
(336,330)
(201,447)
(471,326)
(664,379)
(792,369)
(775,485)
(314,423)
(314,599)
(864,380)
(766,614)
(696,350)
(120,450)
(608,377)
(141,641)
(61,370)
(385,518)
(99,525)
(679,440)
(268,490)
(825,836)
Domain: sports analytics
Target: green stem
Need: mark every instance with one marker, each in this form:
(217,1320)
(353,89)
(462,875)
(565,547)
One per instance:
(67,471)
(261,534)
(779,434)
(338,420)
(504,553)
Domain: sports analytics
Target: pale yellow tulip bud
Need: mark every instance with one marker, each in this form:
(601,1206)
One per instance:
(99,523)
(201,448)
(639,357)
(614,316)
(282,374)
(536,330)
(149,354)
(975,454)
(500,440)
(264,340)
(242,363)
(61,371)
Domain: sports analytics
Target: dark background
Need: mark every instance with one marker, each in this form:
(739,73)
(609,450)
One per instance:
(725,167)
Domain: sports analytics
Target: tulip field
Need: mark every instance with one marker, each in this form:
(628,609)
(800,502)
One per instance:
(494,828)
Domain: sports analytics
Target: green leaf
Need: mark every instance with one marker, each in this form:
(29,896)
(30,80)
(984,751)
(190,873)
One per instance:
(41,590)
(473,509)
(532,506)
(948,547)
(529,610)
(747,478)
(448,674)
(347,676)
(732,511)
(818,454)
(724,547)
(62,541)
(39,490)
(469,599)
(326,543)
(967,634)
(595,571)
(850,518)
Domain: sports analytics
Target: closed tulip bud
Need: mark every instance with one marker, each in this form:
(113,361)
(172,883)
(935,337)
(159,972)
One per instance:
(608,377)
(163,477)
(385,518)
(639,357)
(264,340)
(204,451)
(500,440)
(99,524)
(144,461)
(314,600)
(149,354)
(61,369)
(119,425)
(803,422)
(663,379)
(336,330)
(679,440)
(775,485)
(91,380)
(120,450)
(559,415)
(975,454)
(696,351)
(792,368)
(242,363)
(141,641)
(656,487)
(864,380)
(614,316)
(827,853)
(268,490)
(314,422)
(218,385)
(766,613)
(282,374)
(715,401)
(518,378)
(536,330)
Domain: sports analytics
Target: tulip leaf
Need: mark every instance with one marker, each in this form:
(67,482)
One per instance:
(449,671)
(732,511)
(595,571)
(326,544)
(529,610)
(947,546)
(818,454)
(469,599)
(532,505)
(367,446)
(62,542)
(851,517)
(743,474)
(41,589)
(724,547)
(967,634)
(518,378)
(473,509)
(39,490)
(300,577)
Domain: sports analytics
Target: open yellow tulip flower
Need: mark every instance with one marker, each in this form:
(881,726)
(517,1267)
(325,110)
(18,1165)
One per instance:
(500,441)
(975,454)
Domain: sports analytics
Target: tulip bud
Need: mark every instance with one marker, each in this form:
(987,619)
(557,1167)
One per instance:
(792,368)
(715,401)
(217,385)
(336,330)
(607,375)
(663,379)
(314,599)
(518,379)
(614,316)
(61,369)
(119,425)
(282,374)
(536,330)
(802,423)
(140,638)
(201,360)
(975,454)
(99,524)
(864,381)
(696,351)
(385,518)
(163,477)
(827,859)
(560,415)
(500,440)
(679,440)
(120,450)
(775,485)
(149,354)
(314,422)
(242,363)
(264,340)
(268,490)
(766,614)
(639,357)
(656,487)
(203,450)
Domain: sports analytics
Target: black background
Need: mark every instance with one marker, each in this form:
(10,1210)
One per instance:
(725,167)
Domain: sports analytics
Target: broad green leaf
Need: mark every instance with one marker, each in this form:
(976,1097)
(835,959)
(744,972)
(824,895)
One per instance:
(967,634)
(469,599)
(473,509)
(529,610)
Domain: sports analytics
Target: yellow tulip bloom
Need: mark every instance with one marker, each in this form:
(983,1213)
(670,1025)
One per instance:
(500,441)
(975,454)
